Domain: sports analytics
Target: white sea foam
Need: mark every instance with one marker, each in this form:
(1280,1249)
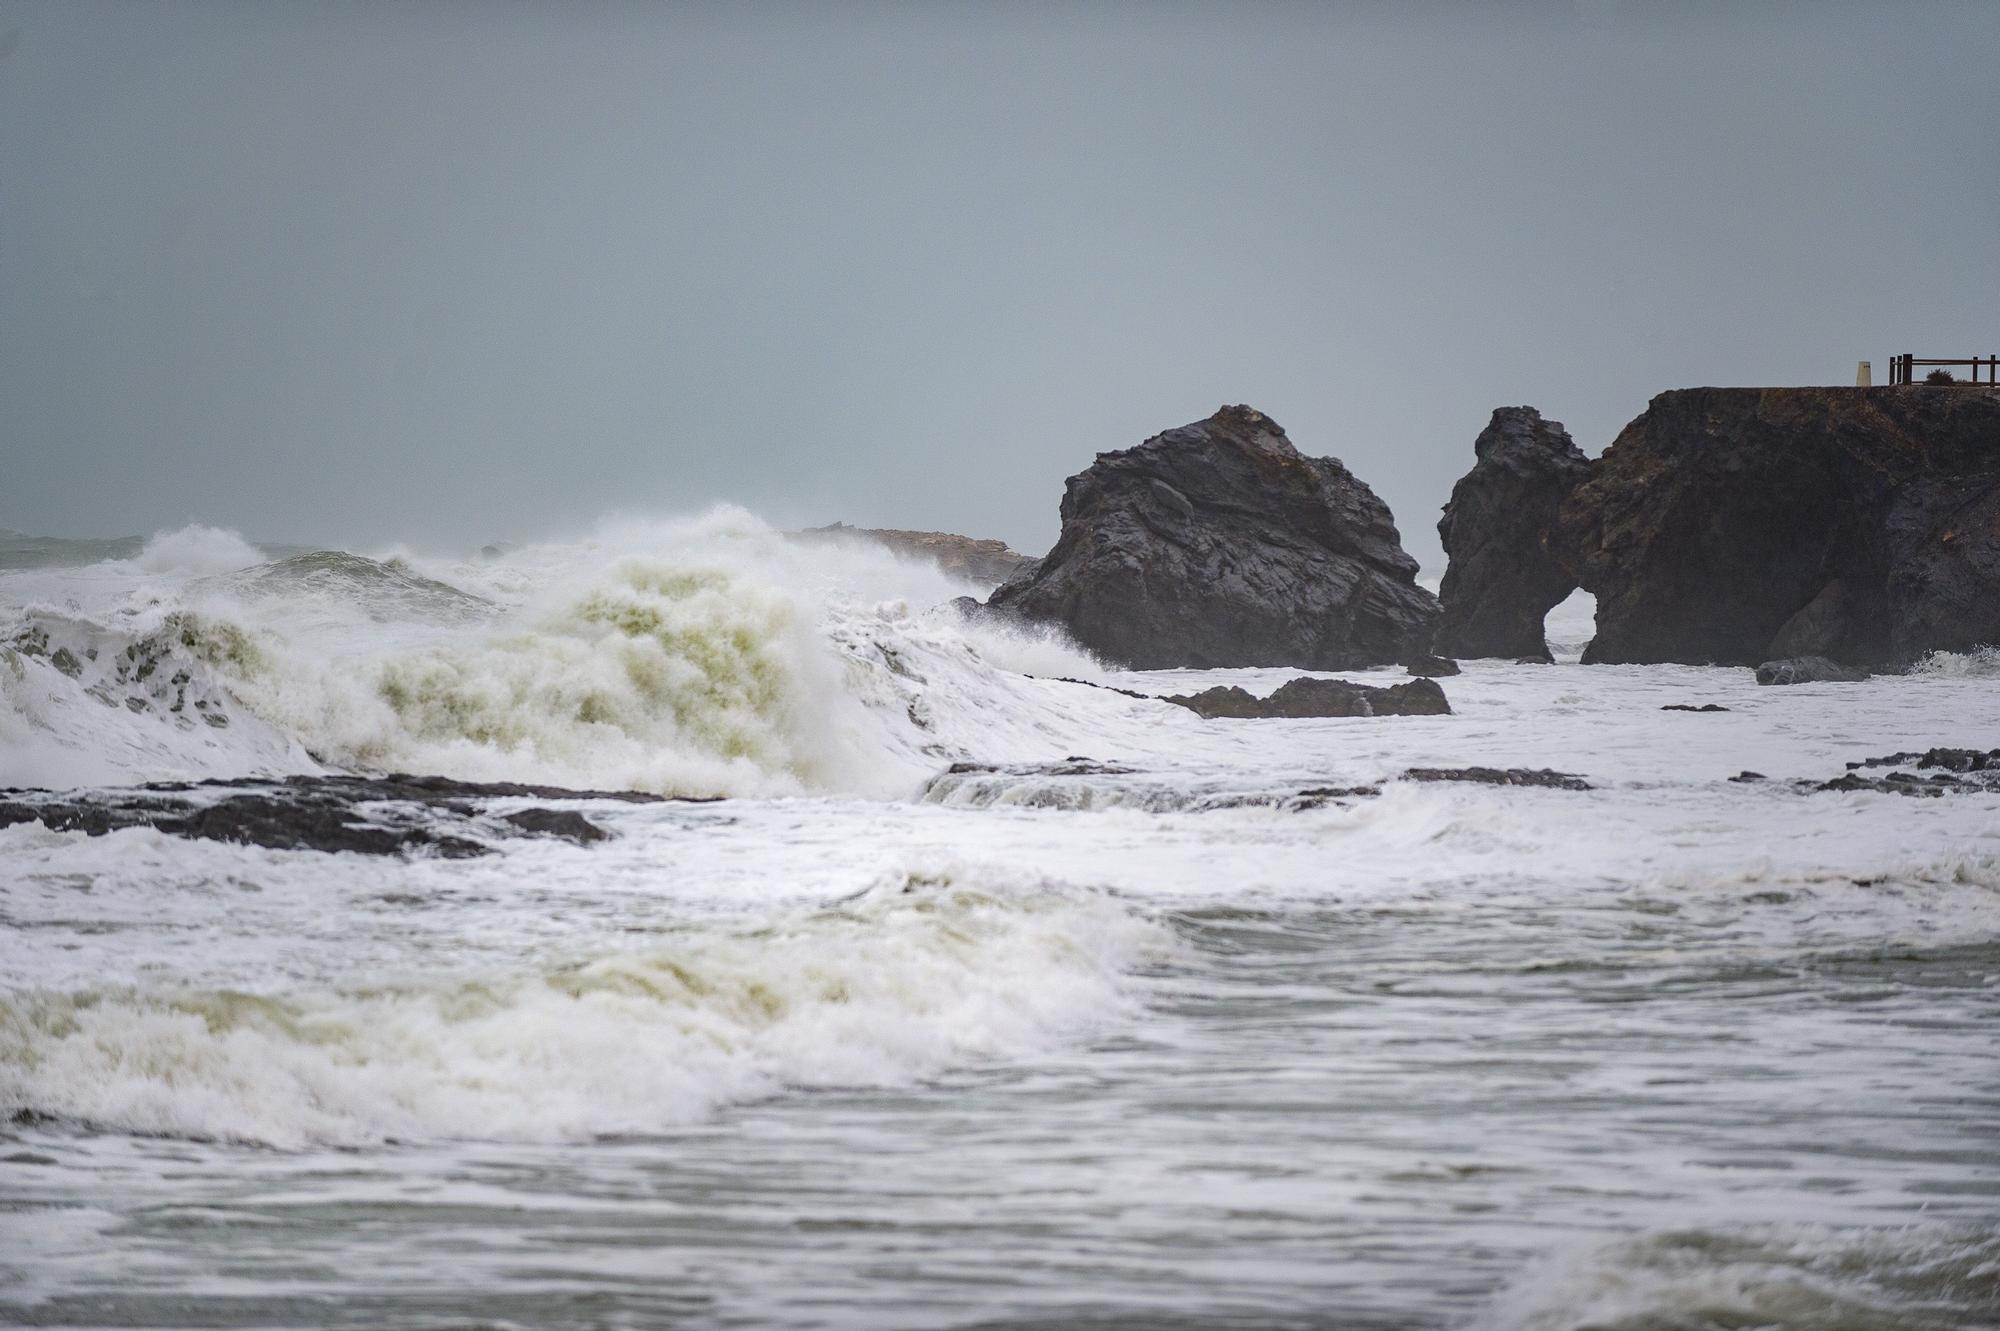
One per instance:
(1980,663)
(707,657)
(918,974)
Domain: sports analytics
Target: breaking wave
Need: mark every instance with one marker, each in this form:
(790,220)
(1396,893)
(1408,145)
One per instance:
(1979,663)
(703,658)
(918,974)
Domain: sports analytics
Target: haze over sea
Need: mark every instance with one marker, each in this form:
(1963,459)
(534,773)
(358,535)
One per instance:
(927,1023)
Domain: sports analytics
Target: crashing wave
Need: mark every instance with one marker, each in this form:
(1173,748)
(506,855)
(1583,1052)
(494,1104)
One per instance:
(1979,663)
(727,668)
(923,971)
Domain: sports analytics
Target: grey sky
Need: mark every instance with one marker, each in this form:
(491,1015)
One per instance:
(457,272)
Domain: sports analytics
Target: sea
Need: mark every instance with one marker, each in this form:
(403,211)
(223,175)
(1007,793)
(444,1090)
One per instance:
(953,988)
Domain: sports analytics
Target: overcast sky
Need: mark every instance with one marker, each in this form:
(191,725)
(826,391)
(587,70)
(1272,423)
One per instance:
(450,273)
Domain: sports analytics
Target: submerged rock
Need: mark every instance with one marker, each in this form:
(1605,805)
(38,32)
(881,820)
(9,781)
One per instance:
(1308,697)
(1949,760)
(369,815)
(1428,666)
(1501,776)
(1905,783)
(1218,544)
(1690,707)
(1809,670)
(1936,772)
(1503,578)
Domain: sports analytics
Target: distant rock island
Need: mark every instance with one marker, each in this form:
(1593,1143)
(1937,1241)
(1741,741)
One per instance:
(977,561)
(1219,544)
(1731,526)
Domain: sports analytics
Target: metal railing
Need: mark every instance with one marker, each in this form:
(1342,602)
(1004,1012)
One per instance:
(1902,369)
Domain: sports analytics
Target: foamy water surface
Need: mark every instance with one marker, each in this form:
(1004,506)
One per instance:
(1145,1041)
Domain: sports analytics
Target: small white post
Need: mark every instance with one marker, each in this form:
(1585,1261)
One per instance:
(1864,374)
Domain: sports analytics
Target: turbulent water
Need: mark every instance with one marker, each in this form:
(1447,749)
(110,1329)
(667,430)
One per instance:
(1151,1040)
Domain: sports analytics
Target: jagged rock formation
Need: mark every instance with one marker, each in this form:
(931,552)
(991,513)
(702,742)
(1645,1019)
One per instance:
(1503,579)
(985,562)
(1736,525)
(1219,544)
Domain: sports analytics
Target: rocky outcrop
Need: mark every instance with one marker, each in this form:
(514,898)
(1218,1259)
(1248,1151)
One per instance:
(1501,776)
(1308,697)
(1502,579)
(387,815)
(1732,525)
(1951,772)
(1431,666)
(979,561)
(1219,544)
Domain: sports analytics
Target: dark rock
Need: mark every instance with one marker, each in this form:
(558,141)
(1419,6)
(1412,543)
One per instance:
(1230,701)
(1219,544)
(1900,783)
(981,561)
(1431,666)
(1689,707)
(1314,797)
(1808,670)
(1503,578)
(567,824)
(1943,551)
(1737,525)
(1307,697)
(367,815)
(1496,776)
(1825,624)
(1747,777)
(1951,772)
(1950,760)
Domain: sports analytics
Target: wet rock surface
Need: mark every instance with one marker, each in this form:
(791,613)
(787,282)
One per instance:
(387,815)
(1809,670)
(1219,544)
(1690,707)
(1503,578)
(1431,667)
(1932,772)
(1501,776)
(1307,697)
